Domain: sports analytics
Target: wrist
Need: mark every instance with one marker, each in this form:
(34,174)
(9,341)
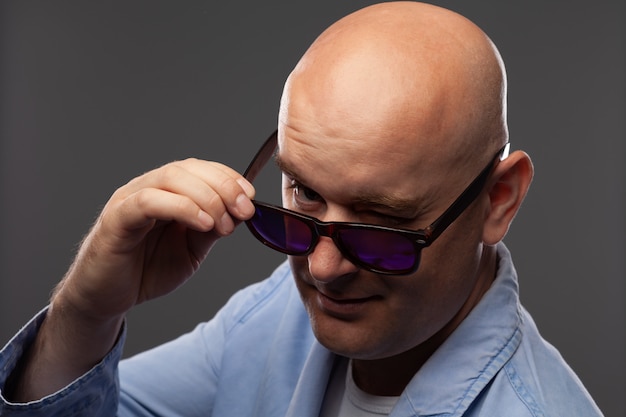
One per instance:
(76,320)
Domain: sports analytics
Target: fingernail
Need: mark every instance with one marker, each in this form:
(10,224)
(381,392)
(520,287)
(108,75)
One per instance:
(247,187)
(244,205)
(226,223)
(205,219)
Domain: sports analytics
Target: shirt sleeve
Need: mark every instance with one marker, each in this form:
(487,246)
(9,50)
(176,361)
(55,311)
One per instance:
(178,378)
(95,394)
(186,376)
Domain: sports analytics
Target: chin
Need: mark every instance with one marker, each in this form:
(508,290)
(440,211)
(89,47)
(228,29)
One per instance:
(350,338)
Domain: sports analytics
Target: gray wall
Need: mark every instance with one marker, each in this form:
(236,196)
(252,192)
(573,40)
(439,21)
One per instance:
(94,93)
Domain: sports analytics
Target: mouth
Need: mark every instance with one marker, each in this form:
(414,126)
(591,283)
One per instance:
(345,307)
(346,300)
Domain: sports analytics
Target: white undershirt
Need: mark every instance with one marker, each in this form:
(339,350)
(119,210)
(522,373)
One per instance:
(344,399)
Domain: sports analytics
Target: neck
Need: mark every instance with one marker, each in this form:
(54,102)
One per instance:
(390,376)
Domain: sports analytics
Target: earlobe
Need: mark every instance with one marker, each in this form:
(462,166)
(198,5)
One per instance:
(510,183)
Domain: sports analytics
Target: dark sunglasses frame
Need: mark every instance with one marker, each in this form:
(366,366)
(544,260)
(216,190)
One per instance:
(419,238)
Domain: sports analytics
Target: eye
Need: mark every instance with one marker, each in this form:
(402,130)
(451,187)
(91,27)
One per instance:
(305,194)
(384,219)
(303,198)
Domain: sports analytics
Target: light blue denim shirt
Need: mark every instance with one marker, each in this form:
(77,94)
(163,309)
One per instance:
(258,357)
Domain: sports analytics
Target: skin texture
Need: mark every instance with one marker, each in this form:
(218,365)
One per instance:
(404,103)
(386,119)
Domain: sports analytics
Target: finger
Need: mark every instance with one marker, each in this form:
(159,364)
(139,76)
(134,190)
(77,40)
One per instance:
(235,190)
(246,186)
(129,219)
(201,181)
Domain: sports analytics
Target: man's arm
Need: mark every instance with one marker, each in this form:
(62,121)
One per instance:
(150,238)
(44,368)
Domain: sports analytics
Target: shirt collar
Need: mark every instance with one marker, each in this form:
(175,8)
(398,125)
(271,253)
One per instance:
(478,348)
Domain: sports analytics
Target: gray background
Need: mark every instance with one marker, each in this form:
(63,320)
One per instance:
(94,93)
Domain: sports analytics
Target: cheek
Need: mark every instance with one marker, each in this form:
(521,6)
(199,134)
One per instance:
(447,275)
(456,253)
(428,302)
(298,266)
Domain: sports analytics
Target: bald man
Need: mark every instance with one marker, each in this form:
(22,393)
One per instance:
(398,297)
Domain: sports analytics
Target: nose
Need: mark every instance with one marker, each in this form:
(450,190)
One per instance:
(326,262)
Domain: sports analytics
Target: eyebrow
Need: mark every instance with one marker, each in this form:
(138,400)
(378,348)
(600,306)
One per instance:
(401,207)
(284,167)
(391,205)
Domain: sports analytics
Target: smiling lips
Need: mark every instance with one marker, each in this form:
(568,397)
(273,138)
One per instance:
(343,307)
(347,300)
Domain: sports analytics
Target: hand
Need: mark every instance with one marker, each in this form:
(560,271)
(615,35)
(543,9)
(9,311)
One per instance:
(152,236)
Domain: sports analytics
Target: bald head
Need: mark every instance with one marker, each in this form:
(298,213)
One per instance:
(392,113)
(422,74)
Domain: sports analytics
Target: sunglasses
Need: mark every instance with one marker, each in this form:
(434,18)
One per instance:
(379,249)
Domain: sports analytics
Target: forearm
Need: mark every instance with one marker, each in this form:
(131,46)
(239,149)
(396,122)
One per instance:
(67,346)
(149,239)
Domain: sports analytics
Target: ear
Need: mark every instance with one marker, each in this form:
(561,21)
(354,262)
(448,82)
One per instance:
(509,185)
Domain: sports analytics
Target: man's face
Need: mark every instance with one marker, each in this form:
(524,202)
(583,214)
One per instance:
(373,178)
(385,121)
(373,135)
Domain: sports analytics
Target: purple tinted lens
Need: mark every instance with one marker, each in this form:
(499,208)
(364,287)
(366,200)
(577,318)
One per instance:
(373,249)
(383,250)
(284,233)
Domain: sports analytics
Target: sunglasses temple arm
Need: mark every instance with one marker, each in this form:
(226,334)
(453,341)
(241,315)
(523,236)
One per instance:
(469,195)
(262,156)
